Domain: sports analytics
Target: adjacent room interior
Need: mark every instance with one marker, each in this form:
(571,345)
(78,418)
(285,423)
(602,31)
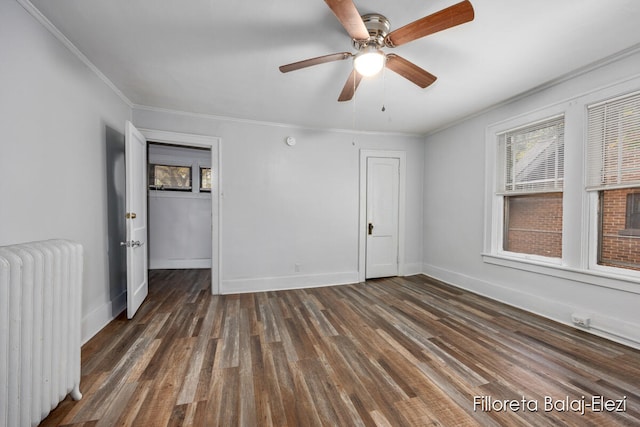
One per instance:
(454,240)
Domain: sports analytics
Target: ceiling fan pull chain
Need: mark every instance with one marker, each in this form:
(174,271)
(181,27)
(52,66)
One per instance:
(384,88)
(353,110)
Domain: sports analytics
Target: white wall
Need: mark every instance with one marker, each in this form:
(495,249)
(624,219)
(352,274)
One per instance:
(180,222)
(454,194)
(56,118)
(283,206)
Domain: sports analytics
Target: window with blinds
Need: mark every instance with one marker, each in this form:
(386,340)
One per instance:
(613,143)
(531,158)
(613,169)
(531,176)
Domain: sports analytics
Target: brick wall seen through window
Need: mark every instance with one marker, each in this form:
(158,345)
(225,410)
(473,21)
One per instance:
(619,244)
(533,224)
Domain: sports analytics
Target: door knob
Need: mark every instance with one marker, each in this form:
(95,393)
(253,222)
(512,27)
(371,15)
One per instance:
(370,228)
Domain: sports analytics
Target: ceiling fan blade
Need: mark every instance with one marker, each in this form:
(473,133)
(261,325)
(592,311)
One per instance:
(315,61)
(350,86)
(349,17)
(446,18)
(409,70)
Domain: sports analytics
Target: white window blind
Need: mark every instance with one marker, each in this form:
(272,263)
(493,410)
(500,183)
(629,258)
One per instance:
(613,143)
(531,158)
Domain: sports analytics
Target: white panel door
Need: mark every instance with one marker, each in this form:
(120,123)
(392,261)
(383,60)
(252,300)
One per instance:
(136,206)
(383,183)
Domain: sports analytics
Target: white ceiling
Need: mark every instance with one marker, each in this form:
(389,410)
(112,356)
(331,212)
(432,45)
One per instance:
(221,57)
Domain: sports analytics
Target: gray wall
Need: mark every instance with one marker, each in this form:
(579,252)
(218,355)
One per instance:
(57,118)
(457,198)
(283,206)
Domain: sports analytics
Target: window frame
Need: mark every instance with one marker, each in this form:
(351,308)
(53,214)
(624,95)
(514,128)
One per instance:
(153,187)
(630,211)
(593,246)
(494,209)
(580,213)
(200,188)
(193,163)
(593,196)
(508,199)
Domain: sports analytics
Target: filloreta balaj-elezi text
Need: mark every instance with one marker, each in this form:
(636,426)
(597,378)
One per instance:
(550,404)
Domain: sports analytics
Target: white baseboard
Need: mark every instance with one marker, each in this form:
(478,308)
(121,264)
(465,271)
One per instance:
(604,326)
(263,284)
(169,264)
(411,269)
(93,322)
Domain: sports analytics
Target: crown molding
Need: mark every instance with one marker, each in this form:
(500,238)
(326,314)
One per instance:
(272,124)
(44,21)
(551,83)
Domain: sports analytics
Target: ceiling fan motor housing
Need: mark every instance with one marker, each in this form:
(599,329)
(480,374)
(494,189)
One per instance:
(378,27)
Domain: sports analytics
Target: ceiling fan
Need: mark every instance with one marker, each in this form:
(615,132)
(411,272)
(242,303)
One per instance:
(370,33)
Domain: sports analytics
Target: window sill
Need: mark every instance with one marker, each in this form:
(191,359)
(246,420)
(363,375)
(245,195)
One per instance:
(606,279)
(629,232)
(153,194)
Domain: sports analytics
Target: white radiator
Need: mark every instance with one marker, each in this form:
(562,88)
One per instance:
(40,299)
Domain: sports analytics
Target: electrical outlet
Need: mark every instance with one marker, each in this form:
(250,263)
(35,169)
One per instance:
(296,268)
(581,320)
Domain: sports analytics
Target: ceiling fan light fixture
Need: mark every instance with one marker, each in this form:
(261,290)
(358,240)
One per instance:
(371,33)
(369,61)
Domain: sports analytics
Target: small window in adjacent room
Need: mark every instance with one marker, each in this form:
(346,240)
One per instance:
(531,176)
(169,178)
(205,179)
(613,162)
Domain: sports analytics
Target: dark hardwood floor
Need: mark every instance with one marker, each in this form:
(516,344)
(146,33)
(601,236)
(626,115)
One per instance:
(401,351)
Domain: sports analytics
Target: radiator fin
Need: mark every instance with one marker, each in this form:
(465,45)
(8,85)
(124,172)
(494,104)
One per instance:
(40,316)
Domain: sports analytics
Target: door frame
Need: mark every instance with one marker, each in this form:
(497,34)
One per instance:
(362,223)
(213,143)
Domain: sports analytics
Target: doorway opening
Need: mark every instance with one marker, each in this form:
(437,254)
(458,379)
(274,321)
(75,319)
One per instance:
(179,206)
(184,200)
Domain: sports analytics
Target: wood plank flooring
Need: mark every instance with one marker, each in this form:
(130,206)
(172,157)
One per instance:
(388,352)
